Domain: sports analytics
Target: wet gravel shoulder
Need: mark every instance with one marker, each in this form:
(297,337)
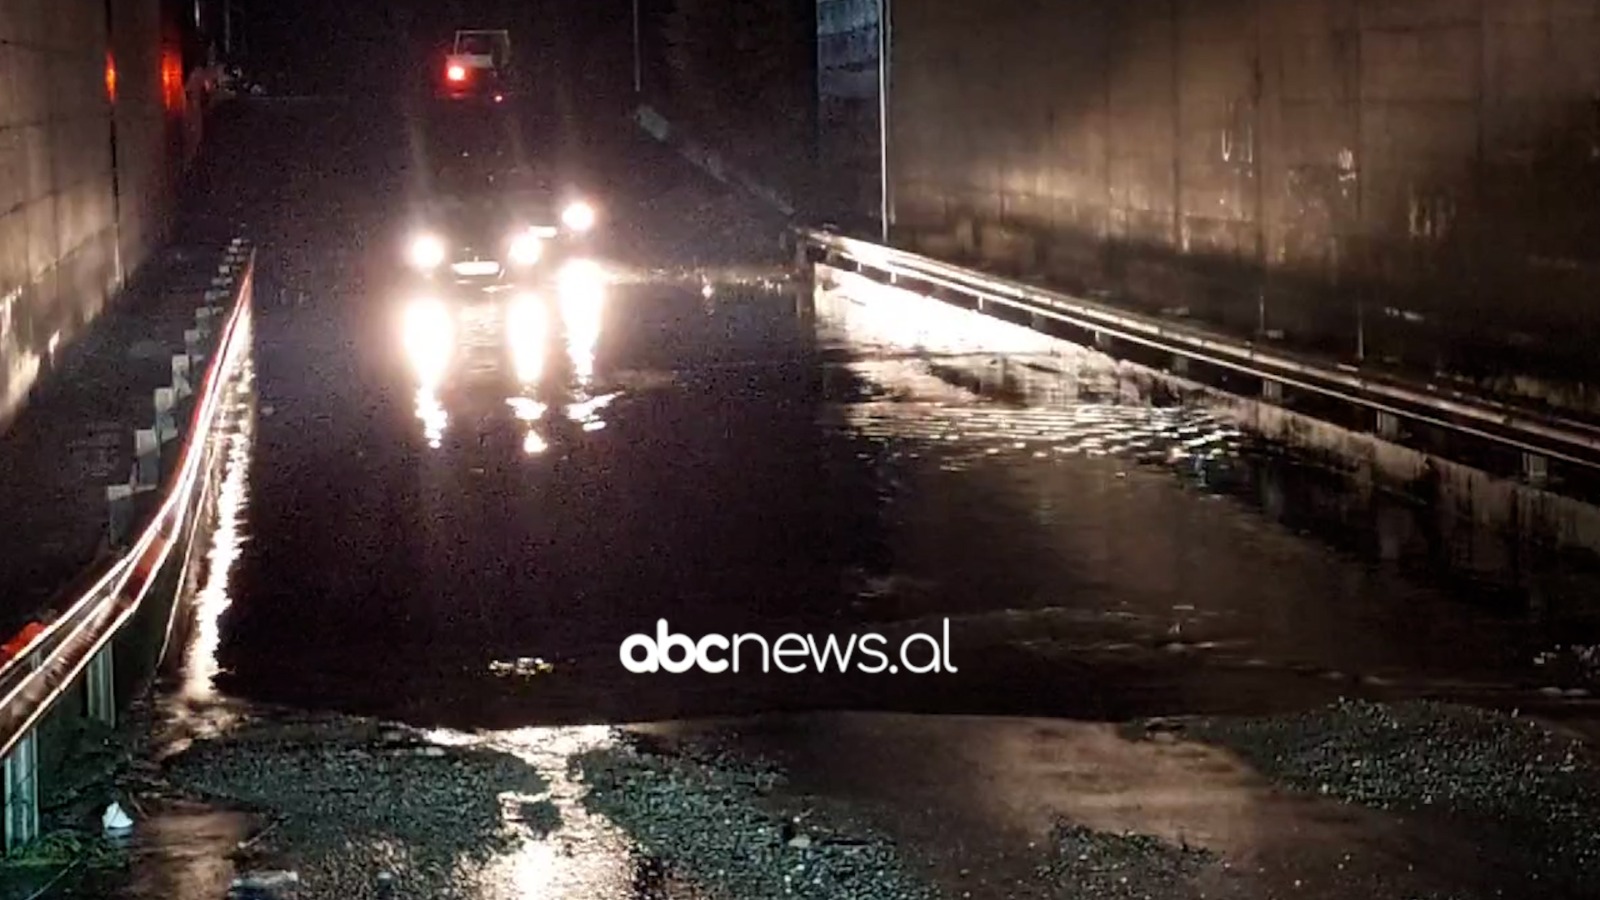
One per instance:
(735,824)
(1525,790)
(349,808)
(722,821)
(359,808)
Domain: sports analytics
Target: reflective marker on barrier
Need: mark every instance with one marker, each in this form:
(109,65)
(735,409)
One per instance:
(147,450)
(180,373)
(166,422)
(119,497)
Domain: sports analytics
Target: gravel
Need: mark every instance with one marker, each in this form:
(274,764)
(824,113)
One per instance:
(351,804)
(717,820)
(1102,866)
(1529,792)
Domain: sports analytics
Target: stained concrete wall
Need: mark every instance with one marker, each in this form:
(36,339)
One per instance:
(67,240)
(847,110)
(1411,181)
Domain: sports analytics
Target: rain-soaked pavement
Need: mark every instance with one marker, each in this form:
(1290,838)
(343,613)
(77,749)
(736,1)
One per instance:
(458,530)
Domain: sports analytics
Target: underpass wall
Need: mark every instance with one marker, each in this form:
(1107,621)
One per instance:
(847,110)
(148,155)
(67,241)
(1401,181)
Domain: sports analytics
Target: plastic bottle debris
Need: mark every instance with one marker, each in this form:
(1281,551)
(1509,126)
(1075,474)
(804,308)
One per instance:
(116,820)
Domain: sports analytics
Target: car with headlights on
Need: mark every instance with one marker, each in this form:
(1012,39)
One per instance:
(505,234)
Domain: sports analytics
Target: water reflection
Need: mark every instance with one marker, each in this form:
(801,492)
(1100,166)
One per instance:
(582,295)
(527,331)
(214,596)
(506,348)
(429,338)
(1048,441)
(587,412)
(607,862)
(432,414)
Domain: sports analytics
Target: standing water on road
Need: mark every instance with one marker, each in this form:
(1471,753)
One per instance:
(447,523)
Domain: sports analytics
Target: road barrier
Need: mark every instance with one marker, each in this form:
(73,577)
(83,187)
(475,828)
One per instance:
(1525,441)
(74,651)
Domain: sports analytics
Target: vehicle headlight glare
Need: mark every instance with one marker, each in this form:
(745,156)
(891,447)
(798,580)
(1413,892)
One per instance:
(582,279)
(578,216)
(526,249)
(427,251)
(429,335)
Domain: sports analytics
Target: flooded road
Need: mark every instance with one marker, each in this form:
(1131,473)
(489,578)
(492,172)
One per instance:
(453,518)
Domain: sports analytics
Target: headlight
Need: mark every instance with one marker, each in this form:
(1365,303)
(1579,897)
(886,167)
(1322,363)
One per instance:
(427,251)
(526,249)
(578,216)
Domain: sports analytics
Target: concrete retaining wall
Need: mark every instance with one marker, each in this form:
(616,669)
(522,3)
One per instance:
(1407,181)
(74,219)
(847,110)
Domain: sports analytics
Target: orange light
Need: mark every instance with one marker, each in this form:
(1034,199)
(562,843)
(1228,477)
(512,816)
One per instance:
(111,77)
(456,73)
(172,80)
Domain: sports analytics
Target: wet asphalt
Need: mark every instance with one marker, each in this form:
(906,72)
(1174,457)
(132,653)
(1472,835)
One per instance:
(462,538)
(712,442)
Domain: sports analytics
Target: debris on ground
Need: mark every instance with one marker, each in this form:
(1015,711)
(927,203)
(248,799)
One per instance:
(1531,791)
(1096,864)
(357,813)
(714,819)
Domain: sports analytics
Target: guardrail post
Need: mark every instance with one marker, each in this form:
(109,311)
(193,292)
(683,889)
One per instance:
(1388,425)
(100,680)
(119,499)
(1179,364)
(1535,469)
(1271,391)
(21,792)
(147,450)
(166,424)
(180,374)
(193,348)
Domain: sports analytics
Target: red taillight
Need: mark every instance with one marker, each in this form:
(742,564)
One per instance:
(456,73)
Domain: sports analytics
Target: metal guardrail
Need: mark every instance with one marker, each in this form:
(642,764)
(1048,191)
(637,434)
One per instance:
(32,681)
(1527,430)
